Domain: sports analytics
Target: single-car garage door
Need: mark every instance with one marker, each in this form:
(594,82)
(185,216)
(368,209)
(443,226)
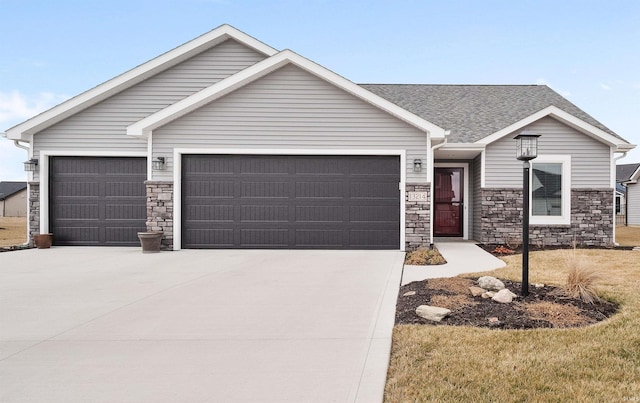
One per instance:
(97,200)
(286,201)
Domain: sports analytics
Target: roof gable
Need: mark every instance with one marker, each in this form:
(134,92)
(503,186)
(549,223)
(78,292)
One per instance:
(474,112)
(10,188)
(564,117)
(626,173)
(134,76)
(254,72)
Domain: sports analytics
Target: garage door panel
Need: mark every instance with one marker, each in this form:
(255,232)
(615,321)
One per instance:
(97,200)
(320,238)
(316,189)
(266,190)
(292,202)
(264,213)
(319,214)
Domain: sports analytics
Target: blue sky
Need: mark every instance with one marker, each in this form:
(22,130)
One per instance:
(588,51)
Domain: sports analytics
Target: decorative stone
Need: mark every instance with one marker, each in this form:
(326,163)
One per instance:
(488,294)
(432,313)
(538,285)
(477,291)
(409,293)
(504,296)
(490,283)
(494,320)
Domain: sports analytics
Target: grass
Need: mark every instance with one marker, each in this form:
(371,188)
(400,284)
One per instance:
(596,363)
(13,231)
(628,236)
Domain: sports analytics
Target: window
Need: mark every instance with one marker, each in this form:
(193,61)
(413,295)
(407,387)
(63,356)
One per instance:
(551,190)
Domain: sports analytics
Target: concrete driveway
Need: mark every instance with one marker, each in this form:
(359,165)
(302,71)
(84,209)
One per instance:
(115,325)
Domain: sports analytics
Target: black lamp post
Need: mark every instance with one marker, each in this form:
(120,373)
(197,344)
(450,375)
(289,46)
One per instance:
(526,150)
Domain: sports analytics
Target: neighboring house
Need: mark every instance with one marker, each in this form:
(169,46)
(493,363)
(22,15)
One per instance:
(628,175)
(225,142)
(13,199)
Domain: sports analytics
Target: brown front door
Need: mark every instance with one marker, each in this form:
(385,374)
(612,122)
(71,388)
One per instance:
(449,200)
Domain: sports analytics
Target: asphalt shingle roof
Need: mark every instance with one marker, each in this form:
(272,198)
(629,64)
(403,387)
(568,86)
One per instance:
(624,171)
(9,188)
(473,112)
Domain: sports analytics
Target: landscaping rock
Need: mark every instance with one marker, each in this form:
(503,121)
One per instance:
(538,285)
(477,291)
(488,294)
(504,296)
(432,313)
(409,293)
(490,283)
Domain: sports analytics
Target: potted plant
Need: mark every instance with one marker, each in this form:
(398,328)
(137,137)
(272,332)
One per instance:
(43,241)
(150,241)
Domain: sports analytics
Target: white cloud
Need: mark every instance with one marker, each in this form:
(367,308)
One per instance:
(605,87)
(15,106)
(636,86)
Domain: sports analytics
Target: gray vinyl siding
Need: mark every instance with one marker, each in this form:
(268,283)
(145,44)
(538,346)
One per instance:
(290,109)
(590,158)
(476,172)
(633,204)
(103,126)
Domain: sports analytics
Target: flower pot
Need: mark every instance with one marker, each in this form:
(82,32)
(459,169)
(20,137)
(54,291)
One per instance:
(150,241)
(43,241)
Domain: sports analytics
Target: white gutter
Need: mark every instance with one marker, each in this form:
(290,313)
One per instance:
(433,159)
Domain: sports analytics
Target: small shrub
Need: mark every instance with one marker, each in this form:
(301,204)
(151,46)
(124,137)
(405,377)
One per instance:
(581,278)
(502,250)
(424,256)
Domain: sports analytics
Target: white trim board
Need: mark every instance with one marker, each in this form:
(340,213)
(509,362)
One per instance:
(177,177)
(43,178)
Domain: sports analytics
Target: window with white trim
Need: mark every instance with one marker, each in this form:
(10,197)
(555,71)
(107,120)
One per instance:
(550,187)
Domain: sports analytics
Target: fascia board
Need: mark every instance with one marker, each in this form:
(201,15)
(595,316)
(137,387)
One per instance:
(260,69)
(134,76)
(565,118)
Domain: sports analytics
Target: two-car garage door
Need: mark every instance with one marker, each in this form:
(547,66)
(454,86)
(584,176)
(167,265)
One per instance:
(234,201)
(288,201)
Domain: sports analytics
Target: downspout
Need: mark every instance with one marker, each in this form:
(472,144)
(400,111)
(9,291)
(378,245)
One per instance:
(28,150)
(626,209)
(433,169)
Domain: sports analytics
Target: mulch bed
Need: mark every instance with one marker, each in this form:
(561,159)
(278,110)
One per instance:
(545,307)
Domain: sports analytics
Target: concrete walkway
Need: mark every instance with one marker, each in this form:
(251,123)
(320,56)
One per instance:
(462,257)
(115,325)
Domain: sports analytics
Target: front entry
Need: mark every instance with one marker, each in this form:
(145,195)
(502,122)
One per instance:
(449,202)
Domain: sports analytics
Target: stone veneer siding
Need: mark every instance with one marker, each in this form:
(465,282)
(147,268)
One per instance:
(34,210)
(417,218)
(591,219)
(160,210)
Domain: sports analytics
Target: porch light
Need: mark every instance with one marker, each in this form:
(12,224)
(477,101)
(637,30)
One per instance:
(526,150)
(417,165)
(526,145)
(31,165)
(158,164)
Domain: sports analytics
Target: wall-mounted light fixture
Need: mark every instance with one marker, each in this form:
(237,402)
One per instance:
(158,164)
(417,165)
(31,165)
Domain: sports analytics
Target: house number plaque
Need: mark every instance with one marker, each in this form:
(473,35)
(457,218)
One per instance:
(419,196)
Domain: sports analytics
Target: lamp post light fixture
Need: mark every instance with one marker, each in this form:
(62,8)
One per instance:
(31,165)
(526,150)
